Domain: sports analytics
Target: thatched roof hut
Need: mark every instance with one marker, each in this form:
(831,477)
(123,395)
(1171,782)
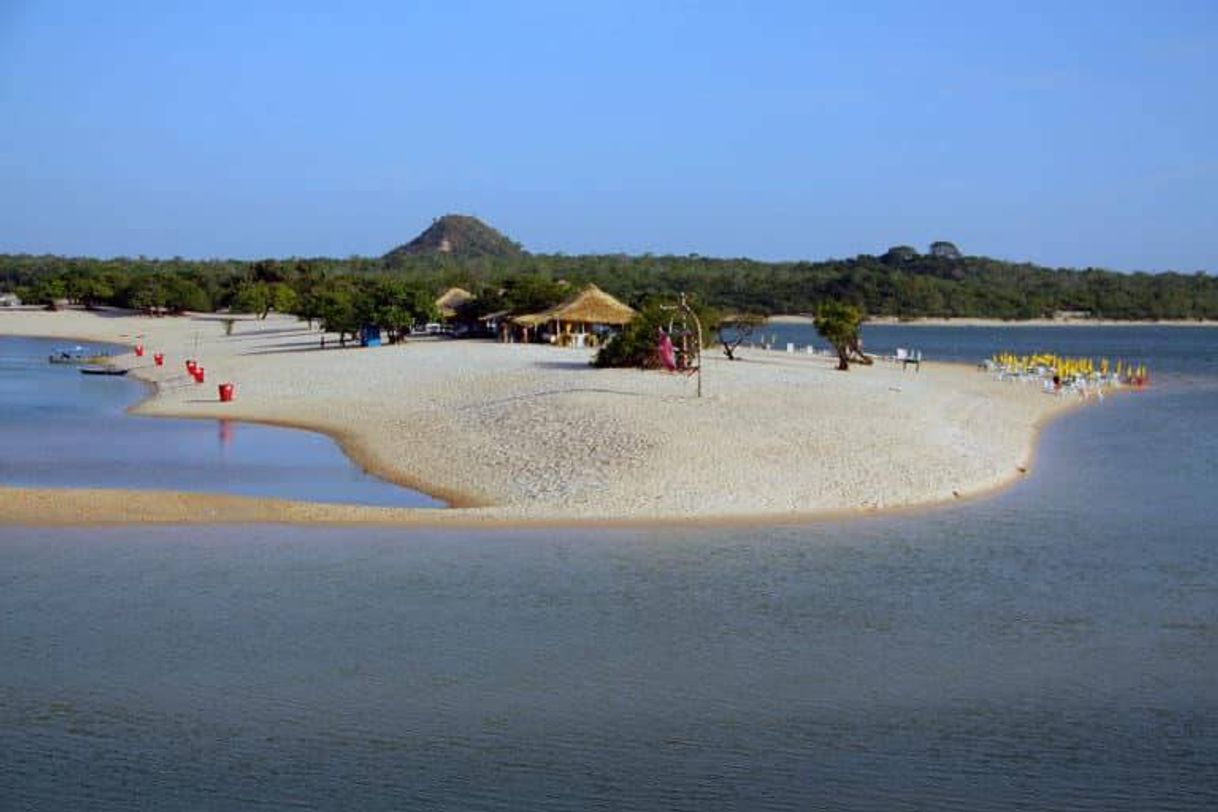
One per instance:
(581,314)
(590,306)
(451,299)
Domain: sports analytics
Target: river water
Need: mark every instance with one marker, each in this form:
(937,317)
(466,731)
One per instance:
(1052,647)
(61,429)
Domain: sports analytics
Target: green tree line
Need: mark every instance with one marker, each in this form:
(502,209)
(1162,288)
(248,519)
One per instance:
(901,282)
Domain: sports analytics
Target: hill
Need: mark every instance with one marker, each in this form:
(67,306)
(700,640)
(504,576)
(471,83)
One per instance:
(459,236)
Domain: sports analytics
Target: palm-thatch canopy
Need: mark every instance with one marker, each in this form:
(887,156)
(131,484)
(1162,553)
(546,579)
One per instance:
(590,306)
(452,299)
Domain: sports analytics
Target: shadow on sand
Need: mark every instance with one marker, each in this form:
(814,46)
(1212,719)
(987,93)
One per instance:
(574,365)
(312,345)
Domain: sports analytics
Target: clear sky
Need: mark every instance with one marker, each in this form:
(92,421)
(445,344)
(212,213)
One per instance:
(1066,133)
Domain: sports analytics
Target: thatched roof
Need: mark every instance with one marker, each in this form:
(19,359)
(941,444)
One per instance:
(451,299)
(590,306)
(530,320)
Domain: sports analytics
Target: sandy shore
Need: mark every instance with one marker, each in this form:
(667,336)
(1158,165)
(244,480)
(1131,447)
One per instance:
(526,433)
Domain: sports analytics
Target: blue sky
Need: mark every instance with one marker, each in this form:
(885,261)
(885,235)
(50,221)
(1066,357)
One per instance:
(1071,133)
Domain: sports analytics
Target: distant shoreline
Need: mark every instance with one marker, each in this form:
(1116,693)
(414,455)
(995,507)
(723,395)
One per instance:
(788,318)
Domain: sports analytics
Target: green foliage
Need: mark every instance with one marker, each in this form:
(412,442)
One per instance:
(394,305)
(282,298)
(839,324)
(902,283)
(335,303)
(147,294)
(252,297)
(942,249)
(182,294)
(261,297)
(636,345)
(45,292)
(532,293)
(899,255)
(87,288)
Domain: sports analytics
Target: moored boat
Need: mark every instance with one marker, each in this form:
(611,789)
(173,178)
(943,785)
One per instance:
(76,355)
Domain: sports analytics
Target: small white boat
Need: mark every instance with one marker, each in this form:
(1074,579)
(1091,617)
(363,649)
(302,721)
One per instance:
(76,355)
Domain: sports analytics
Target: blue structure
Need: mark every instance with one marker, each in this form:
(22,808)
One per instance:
(370,336)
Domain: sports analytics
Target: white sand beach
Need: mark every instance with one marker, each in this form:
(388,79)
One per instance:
(530,433)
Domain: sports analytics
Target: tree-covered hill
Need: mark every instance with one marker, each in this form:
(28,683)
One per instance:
(459,236)
(901,282)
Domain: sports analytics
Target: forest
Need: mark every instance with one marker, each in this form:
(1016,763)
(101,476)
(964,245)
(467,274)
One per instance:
(902,282)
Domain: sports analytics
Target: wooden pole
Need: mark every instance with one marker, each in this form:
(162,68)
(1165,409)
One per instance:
(688,312)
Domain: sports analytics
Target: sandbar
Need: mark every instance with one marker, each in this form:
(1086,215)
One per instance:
(532,434)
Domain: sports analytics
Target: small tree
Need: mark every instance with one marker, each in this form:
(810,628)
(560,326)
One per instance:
(182,294)
(839,323)
(253,297)
(734,331)
(100,289)
(394,305)
(149,295)
(47,292)
(336,309)
(308,305)
(282,298)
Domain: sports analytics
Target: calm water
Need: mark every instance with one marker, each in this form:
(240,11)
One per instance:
(1190,352)
(1054,647)
(61,429)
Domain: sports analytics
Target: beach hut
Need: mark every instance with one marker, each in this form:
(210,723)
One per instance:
(580,321)
(452,300)
(497,324)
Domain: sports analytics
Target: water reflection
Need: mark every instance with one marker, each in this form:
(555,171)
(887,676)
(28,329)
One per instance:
(60,429)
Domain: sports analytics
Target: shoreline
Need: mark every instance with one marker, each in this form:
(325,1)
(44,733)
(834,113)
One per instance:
(482,438)
(79,507)
(347,442)
(968,321)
